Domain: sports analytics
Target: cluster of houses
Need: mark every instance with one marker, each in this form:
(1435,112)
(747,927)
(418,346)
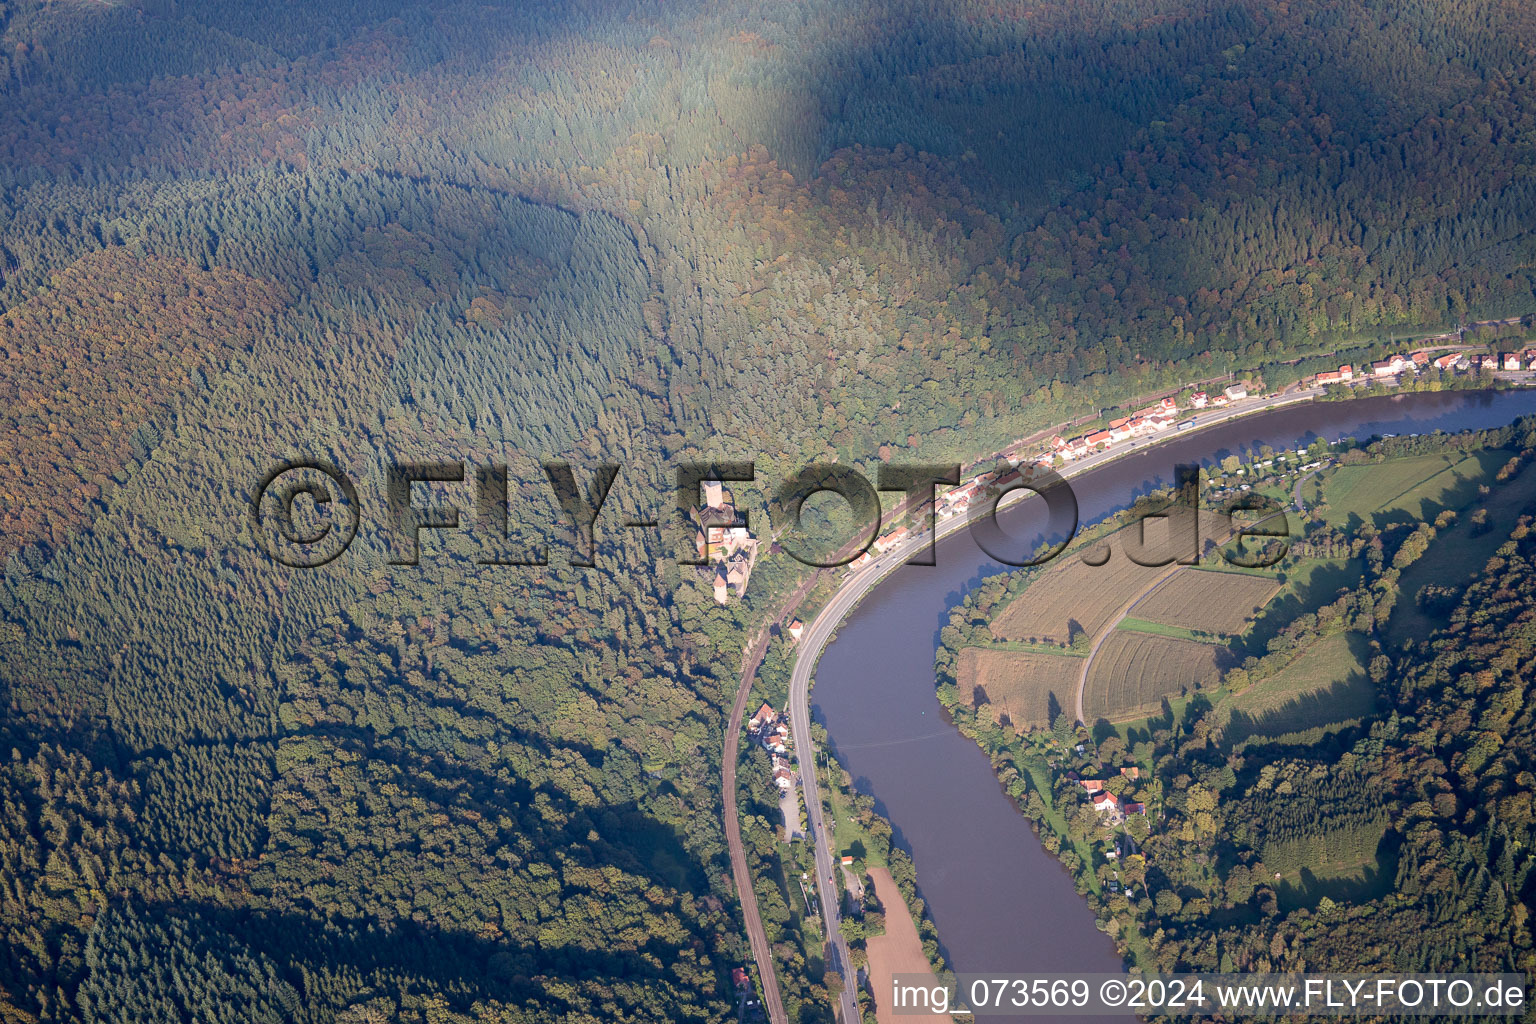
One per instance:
(956,500)
(952,502)
(769,729)
(1107,804)
(730,549)
(1525,360)
(1154,419)
(1392,366)
(1397,365)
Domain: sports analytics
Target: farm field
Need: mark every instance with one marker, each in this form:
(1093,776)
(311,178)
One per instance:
(1071,596)
(1208,601)
(898,951)
(1408,488)
(1325,686)
(1133,671)
(1018,685)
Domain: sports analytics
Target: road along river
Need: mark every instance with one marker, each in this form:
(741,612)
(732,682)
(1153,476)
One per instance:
(1000,902)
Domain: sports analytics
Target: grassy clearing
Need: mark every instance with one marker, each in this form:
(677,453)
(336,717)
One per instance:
(1411,488)
(1459,551)
(1341,883)
(1308,584)
(1135,625)
(1135,733)
(1347,864)
(1022,688)
(1325,686)
(847,836)
(1040,782)
(1050,650)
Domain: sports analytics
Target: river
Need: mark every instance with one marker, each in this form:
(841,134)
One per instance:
(1000,902)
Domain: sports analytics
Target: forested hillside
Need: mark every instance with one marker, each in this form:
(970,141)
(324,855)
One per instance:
(641,232)
(1433,796)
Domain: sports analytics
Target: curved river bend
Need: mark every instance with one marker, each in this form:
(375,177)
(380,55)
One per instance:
(1000,902)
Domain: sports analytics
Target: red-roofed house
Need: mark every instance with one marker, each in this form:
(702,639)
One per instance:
(765,714)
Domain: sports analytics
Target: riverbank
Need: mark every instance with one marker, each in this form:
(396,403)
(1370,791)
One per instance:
(875,693)
(857,587)
(1296,710)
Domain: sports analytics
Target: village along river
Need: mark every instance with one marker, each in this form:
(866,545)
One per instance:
(1000,902)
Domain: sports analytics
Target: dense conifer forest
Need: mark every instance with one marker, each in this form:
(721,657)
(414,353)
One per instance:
(642,233)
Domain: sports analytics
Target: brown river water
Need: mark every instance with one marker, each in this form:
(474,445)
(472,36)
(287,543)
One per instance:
(1000,902)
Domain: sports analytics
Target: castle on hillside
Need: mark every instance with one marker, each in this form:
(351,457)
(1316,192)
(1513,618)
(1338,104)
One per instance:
(730,548)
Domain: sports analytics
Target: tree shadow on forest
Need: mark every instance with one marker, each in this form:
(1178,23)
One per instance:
(394,958)
(633,840)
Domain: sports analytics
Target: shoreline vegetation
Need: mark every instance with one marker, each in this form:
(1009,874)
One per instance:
(863,834)
(860,832)
(1306,697)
